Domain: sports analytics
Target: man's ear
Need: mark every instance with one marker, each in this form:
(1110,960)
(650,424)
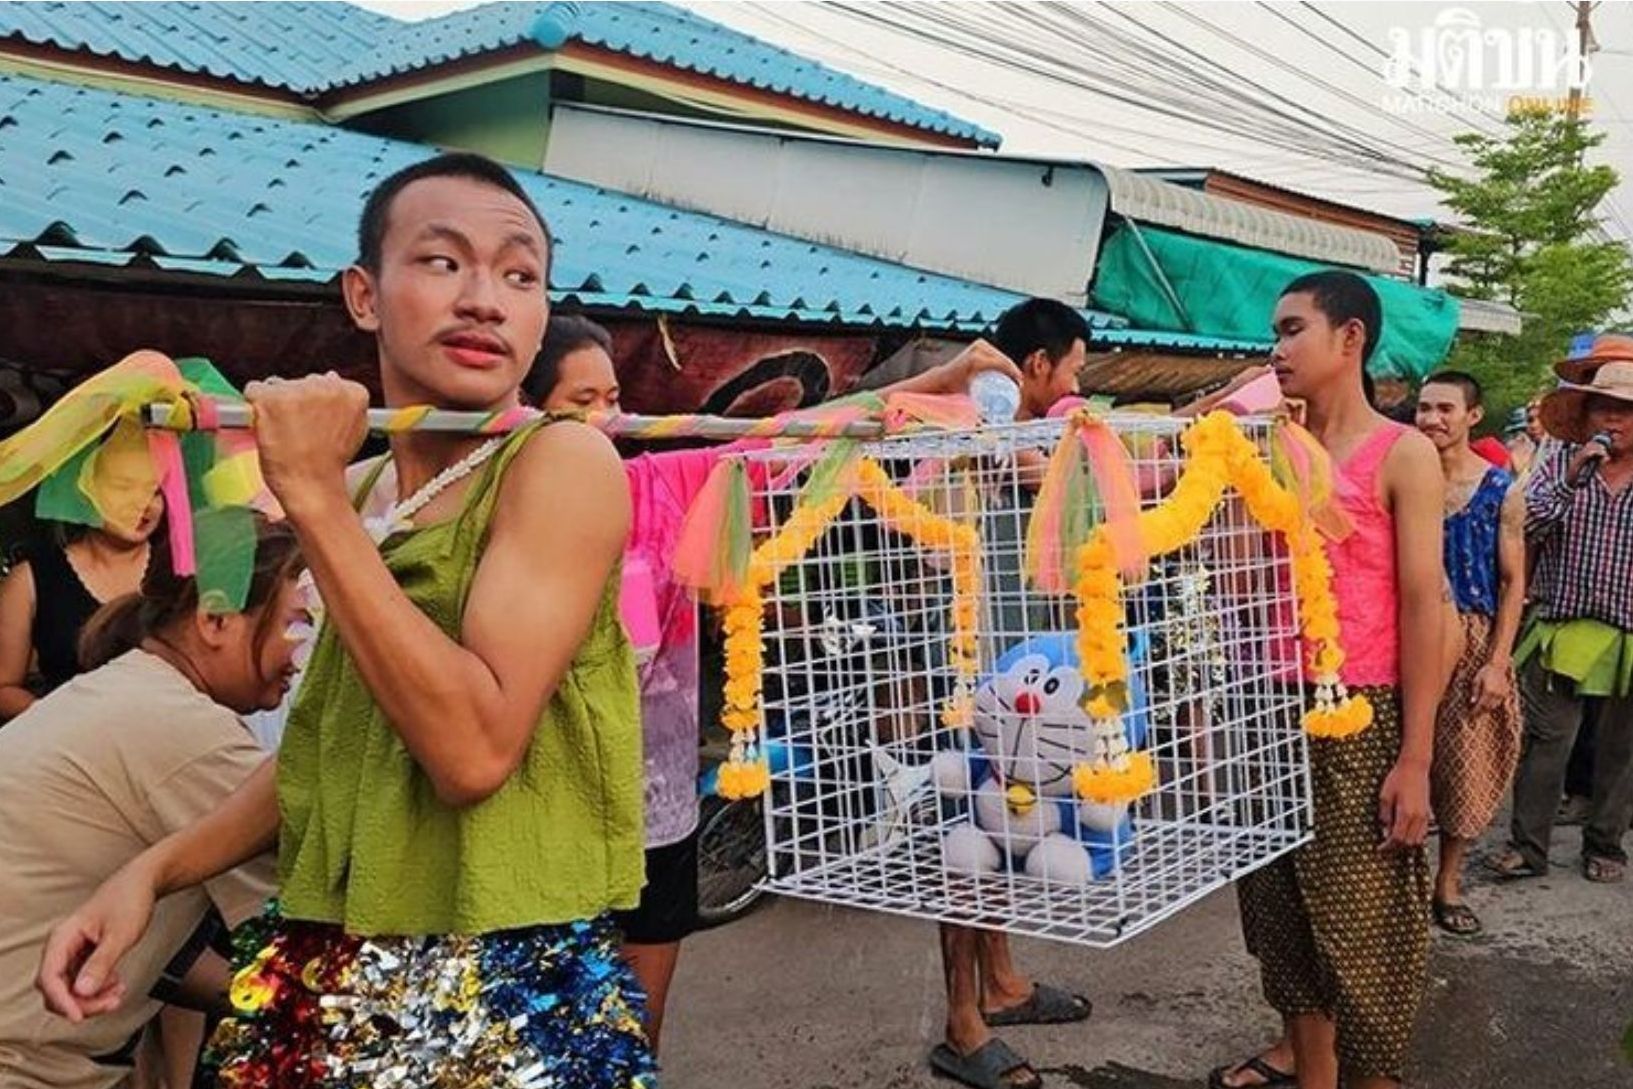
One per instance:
(1476,414)
(360,289)
(1352,335)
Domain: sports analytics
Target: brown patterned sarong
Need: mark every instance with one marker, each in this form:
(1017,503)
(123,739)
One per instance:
(1338,927)
(1476,752)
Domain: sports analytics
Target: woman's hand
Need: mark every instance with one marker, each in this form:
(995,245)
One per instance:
(78,971)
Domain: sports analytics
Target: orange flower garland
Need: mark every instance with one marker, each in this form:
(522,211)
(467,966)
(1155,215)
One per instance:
(744,774)
(1217,455)
(1336,713)
(927,528)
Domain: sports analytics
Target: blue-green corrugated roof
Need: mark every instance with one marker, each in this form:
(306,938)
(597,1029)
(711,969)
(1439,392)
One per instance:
(315,48)
(662,33)
(292,46)
(120,178)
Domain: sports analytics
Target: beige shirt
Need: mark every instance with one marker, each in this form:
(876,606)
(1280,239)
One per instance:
(90,776)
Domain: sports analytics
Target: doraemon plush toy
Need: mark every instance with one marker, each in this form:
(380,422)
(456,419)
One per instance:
(1032,730)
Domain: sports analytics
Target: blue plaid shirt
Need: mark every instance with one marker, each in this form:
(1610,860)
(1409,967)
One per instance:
(1583,537)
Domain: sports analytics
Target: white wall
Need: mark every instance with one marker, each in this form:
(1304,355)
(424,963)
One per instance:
(1029,226)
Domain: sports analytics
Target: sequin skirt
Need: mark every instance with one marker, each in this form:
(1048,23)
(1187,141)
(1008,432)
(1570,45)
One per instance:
(548,1007)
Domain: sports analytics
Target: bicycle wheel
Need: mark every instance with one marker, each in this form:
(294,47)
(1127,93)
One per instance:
(731,859)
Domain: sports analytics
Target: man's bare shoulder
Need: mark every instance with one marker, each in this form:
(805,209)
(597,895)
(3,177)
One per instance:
(577,467)
(1412,454)
(568,446)
(1411,472)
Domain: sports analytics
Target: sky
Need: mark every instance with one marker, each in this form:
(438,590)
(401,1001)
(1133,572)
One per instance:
(1320,67)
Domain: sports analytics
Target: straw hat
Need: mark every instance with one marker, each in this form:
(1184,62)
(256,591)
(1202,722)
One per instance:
(1564,412)
(1589,353)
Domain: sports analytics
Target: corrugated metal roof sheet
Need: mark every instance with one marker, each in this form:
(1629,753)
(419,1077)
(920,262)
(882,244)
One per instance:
(294,46)
(662,33)
(312,48)
(95,172)
(1150,200)
(1160,376)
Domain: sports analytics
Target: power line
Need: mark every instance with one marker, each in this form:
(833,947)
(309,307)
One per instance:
(1028,44)
(1228,91)
(1343,130)
(1438,139)
(1374,47)
(1057,120)
(994,38)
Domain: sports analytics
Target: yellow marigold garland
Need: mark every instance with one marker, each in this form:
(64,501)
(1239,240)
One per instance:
(931,530)
(744,774)
(1217,455)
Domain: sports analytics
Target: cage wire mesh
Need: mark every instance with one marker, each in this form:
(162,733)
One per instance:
(876,803)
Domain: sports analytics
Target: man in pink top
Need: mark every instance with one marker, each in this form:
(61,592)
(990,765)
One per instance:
(1340,928)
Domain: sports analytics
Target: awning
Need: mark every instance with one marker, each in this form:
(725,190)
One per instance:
(1485,316)
(1159,279)
(1148,200)
(1156,376)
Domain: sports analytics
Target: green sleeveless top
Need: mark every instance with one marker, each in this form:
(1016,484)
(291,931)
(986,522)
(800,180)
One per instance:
(366,843)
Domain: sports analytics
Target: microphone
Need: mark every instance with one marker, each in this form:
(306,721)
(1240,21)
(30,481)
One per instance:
(1583,475)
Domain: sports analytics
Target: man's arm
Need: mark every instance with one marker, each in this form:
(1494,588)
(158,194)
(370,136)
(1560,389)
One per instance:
(1492,683)
(955,375)
(1415,491)
(465,709)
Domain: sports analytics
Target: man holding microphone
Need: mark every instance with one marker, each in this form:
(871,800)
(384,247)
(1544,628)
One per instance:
(1576,654)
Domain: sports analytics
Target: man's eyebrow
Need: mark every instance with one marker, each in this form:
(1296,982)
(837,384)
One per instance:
(443,230)
(523,239)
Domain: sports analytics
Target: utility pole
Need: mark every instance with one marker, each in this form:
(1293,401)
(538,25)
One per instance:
(1585,44)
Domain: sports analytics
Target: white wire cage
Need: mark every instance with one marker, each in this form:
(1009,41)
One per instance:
(876,802)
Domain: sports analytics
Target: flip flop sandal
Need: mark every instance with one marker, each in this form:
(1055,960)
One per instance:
(1271,1078)
(1604,871)
(1511,866)
(990,1066)
(1047,1006)
(1456,919)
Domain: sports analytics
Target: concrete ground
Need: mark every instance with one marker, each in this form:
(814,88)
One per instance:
(804,996)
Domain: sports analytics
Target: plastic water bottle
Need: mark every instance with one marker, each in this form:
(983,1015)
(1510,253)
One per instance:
(997,396)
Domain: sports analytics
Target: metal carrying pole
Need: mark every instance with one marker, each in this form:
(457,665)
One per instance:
(237,415)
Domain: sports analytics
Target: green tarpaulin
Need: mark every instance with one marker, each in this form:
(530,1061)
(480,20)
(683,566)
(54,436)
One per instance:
(1231,291)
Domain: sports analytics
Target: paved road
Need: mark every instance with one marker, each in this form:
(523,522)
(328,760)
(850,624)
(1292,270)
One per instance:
(804,996)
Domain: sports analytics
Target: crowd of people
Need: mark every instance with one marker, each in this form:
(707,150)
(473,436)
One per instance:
(486,783)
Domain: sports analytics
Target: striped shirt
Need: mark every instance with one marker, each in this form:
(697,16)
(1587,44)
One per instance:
(1583,537)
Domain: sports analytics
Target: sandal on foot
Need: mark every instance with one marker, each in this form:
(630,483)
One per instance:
(993,1065)
(1456,918)
(1047,1006)
(1605,871)
(1512,866)
(1269,1077)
